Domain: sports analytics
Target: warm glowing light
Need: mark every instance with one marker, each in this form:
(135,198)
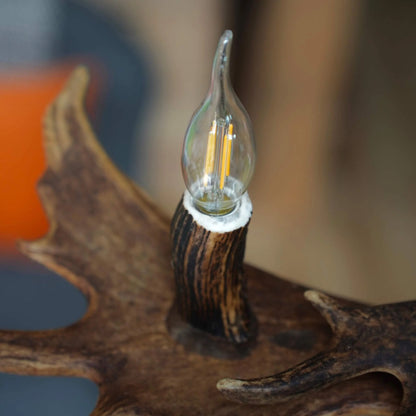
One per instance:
(219,153)
(210,157)
(225,155)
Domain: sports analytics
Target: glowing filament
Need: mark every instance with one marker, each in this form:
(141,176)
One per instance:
(210,157)
(226,155)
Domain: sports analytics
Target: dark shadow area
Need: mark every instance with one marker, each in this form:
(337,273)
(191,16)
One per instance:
(34,298)
(47,396)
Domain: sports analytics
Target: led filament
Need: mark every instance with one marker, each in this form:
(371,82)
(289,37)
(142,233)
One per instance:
(218,154)
(225,155)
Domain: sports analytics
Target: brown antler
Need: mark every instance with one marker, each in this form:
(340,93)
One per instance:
(368,339)
(110,241)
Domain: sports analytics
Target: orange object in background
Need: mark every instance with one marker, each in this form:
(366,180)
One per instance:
(24,97)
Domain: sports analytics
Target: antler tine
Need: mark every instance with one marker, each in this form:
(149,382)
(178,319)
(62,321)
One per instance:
(322,370)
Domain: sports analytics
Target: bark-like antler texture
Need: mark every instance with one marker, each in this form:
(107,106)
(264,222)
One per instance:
(109,240)
(368,339)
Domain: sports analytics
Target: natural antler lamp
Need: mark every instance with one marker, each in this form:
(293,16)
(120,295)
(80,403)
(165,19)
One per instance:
(113,244)
(210,224)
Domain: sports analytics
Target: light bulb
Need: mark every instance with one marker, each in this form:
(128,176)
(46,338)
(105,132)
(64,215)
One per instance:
(219,153)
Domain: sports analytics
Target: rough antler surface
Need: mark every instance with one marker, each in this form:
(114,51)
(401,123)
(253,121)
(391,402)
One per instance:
(108,239)
(367,339)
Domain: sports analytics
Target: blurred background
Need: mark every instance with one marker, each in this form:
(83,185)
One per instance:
(331,90)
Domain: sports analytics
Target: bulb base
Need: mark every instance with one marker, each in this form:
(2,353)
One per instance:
(215,209)
(207,258)
(217,202)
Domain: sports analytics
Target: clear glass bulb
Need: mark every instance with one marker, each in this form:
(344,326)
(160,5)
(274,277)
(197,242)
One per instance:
(219,153)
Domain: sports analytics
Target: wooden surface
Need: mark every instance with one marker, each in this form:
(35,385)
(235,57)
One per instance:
(108,239)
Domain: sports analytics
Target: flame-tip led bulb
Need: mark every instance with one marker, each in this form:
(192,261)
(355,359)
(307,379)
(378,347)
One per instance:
(219,153)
